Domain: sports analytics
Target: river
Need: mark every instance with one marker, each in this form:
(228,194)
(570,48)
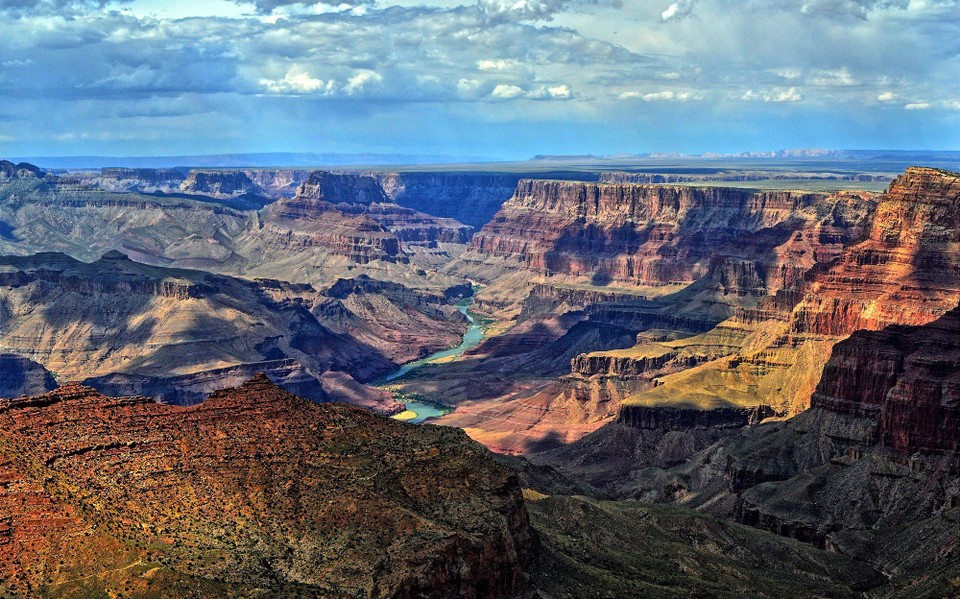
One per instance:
(417,411)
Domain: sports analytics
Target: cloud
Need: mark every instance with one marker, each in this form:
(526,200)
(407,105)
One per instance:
(504,91)
(296,81)
(677,10)
(361,80)
(776,95)
(917,106)
(887,97)
(832,78)
(498,64)
(520,10)
(89,65)
(267,7)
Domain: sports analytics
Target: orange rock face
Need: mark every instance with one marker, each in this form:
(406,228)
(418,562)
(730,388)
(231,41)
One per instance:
(906,272)
(254,488)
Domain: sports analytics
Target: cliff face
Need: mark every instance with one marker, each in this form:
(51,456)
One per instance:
(342,188)
(218,184)
(252,489)
(223,224)
(653,235)
(143,180)
(290,226)
(83,320)
(176,335)
(904,378)
(906,272)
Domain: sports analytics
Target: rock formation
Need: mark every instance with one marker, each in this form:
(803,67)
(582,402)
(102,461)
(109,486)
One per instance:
(176,335)
(254,491)
(23,170)
(220,221)
(218,184)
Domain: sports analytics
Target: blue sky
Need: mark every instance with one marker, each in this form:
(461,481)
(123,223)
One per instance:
(503,79)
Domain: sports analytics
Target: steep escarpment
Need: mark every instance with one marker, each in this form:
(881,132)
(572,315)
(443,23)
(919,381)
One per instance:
(903,377)
(218,184)
(253,491)
(342,220)
(745,258)
(141,180)
(641,234)
(906,272)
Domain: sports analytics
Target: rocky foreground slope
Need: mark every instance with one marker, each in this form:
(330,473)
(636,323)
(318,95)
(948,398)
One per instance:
(253,493)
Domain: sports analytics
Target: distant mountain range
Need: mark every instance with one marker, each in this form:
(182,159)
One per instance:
(242,160)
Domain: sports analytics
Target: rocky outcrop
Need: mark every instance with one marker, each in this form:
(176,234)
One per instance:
(23,170)
(414,227)
(291,226)
(146,215)
(191,389)
(218,184)
(20,376)
(906,272)
(252,490)
(337,188)
(644,178)
(673,418)
(277,183)
(142,180)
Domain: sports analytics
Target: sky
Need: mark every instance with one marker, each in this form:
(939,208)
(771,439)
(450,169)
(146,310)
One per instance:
(497,79)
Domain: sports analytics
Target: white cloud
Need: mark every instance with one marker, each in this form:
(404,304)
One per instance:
(677,10)
(658,96)
(498,64)
(559,91)
(952,104)
(832,78)
(777,94)
(296,81)
(887,97)
(506,92)
(361,80)
(917,106)
(788,73)
(629,95)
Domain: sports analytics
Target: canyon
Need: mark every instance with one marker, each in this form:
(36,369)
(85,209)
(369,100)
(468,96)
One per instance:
(681,390)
